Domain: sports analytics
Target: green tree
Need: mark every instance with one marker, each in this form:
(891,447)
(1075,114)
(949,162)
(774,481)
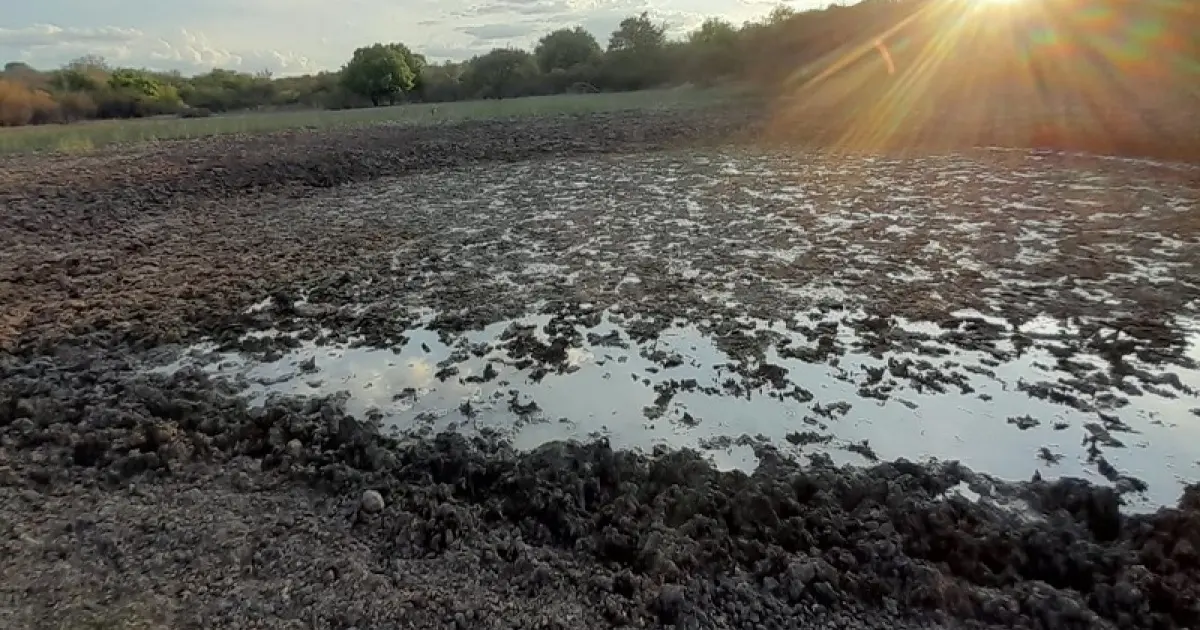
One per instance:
(638,34)
(135,93)
(501,73)
(379,72)
(416,62)
(566,48)
(134,82)
(714,32)
(712,51)
(782,13)
(637,55)
(441,82)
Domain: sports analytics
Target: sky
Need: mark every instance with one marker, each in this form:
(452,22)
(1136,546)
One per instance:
(300,36)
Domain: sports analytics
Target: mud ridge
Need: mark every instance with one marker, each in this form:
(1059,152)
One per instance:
(658,538)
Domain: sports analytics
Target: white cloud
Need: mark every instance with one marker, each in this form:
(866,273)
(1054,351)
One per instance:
(193,51)
(48,45)
(513,30)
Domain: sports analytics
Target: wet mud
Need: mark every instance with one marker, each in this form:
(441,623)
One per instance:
(612,376)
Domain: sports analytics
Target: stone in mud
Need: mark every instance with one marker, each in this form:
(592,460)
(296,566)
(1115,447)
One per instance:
(801,573)
(371,502)
(241,479)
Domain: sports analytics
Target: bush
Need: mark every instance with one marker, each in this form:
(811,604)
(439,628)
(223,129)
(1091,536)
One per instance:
(76,106)
(210,98)
(20,105)
(127,103)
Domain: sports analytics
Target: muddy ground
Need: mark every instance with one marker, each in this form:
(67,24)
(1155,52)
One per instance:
(163,306)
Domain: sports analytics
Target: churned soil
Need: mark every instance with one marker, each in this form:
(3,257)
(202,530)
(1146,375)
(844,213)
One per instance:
(131,498)
(75,228)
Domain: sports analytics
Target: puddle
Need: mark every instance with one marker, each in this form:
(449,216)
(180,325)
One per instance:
(814,384)
(1001,251)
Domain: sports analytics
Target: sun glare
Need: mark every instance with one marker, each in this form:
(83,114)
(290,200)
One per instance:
(995,2)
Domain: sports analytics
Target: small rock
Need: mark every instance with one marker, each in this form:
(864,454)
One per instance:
(372,502)
(8,476)
(803,572)
(242,481)
(671,602)
(603,583)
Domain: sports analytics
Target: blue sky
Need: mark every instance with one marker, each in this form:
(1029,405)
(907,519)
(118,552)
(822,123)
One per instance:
(294,36)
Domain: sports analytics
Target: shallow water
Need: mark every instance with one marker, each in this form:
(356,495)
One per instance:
(710,239)
(602,389)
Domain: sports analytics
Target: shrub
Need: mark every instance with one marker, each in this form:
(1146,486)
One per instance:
(16,104)
(76,106)
(126,103)
(20,105)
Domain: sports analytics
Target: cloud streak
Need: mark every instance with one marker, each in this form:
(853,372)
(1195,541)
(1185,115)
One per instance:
(49,35)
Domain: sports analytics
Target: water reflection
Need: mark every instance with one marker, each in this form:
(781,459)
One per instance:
(929,398)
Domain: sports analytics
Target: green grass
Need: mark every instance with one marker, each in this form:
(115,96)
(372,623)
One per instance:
(88,136)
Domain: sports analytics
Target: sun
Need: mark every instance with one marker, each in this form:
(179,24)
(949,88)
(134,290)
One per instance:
(995,2)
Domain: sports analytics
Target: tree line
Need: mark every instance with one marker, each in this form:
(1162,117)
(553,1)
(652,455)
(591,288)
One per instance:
(777,52)
(637,55)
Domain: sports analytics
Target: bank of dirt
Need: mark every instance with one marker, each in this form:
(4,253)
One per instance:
(132,499)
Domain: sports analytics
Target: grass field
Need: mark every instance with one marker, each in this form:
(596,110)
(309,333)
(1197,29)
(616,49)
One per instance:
(87,136)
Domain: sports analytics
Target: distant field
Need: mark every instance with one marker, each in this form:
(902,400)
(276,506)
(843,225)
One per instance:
(86,136)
